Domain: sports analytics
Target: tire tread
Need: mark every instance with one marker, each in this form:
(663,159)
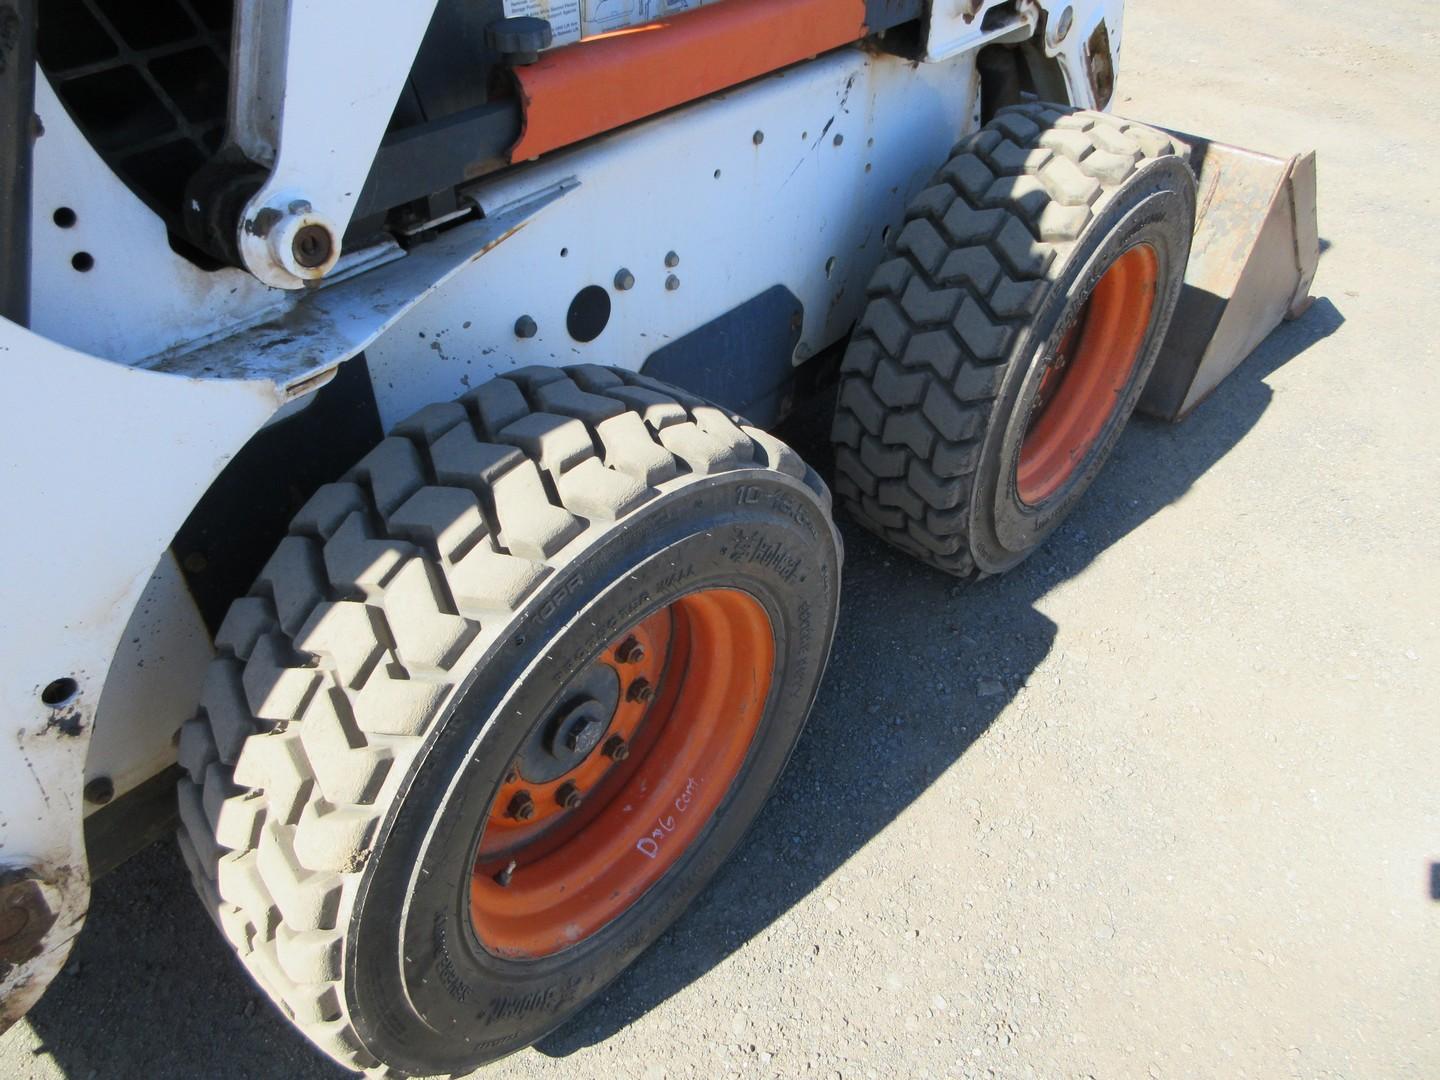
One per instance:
(331,673)
(974,257)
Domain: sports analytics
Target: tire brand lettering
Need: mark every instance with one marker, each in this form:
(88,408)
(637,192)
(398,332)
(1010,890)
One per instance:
(649,846)
(671,580)
(780,501)
(752,547)
(507,1008)
(454,985)
(549,1000)
(561,594)
(805,641)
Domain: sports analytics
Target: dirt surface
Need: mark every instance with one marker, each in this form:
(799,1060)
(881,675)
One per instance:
(1164,802)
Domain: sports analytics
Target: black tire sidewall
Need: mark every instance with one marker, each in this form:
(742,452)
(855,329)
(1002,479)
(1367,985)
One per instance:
(429,998)
(1156,206)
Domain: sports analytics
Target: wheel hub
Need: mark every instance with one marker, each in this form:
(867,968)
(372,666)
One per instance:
(1084,382)
(622,773)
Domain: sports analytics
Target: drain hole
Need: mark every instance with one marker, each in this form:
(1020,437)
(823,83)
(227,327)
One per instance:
(59,692)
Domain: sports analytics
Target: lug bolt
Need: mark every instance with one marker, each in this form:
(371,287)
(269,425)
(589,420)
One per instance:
(616,748)
(624,280)
(511,775)
(641,690)
(522,806)
(568,796)
(525,327)
(630,651)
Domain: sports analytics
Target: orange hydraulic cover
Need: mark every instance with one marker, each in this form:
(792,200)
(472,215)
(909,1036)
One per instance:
(595,86)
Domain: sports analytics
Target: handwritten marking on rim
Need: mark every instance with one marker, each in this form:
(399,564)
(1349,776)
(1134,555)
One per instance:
(649,846)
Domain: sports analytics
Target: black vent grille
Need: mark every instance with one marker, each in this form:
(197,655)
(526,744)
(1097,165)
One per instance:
(147,82)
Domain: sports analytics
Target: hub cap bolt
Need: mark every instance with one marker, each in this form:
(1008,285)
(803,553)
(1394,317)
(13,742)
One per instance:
(630,651)
(641,690)
(581,738)
(522,806)
(568,796)
(616,748)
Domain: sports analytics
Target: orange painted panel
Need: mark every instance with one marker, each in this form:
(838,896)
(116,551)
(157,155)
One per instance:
(598,85)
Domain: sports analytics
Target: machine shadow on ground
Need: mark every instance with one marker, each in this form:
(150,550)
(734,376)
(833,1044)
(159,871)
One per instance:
(921,667)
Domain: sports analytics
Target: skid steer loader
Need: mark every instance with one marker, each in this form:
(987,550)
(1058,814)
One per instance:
(388,479)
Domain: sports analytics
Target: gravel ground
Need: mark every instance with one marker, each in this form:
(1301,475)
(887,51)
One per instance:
(1163,802)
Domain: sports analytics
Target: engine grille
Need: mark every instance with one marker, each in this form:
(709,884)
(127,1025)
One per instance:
(147,82)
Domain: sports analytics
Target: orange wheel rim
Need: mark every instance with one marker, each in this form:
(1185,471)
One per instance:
(644,791)
(1087,376)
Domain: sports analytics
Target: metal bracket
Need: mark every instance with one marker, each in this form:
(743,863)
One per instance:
(315,114)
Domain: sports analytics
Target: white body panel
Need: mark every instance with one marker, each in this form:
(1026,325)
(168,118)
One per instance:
(100,465)
(847,140)
(142,377)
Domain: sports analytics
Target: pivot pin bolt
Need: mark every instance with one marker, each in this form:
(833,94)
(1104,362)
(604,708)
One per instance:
(630,651)
(312,246)
(522,806)
(641,690)
(568,796)
(616,748)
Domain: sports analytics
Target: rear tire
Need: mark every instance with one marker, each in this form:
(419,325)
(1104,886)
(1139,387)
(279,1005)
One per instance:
(950,440)
(407,655)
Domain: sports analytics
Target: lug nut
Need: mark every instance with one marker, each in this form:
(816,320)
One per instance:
(568,796)
(641,690)
(616,748)
(522,806)
(630,651)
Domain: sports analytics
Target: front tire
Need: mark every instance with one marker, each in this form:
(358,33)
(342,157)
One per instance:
(405,800)
(1008,338)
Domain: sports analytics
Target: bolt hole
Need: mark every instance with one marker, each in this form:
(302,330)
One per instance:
(59,692)
(83,261)
(717,174)
(830,265)
(839,140)
(868,166)
(64,217)
(869,142)
(565,253)
(758,138)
